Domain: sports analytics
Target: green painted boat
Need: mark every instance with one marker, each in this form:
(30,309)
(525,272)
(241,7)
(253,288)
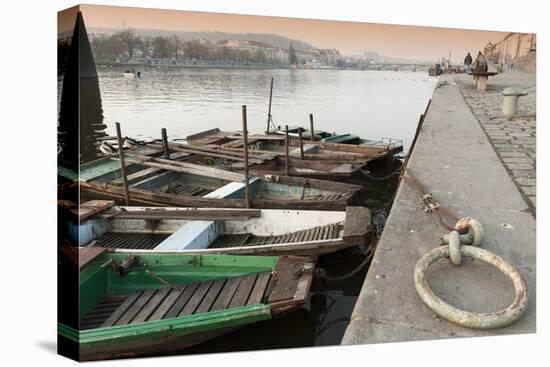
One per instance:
(391,144)
(135,304)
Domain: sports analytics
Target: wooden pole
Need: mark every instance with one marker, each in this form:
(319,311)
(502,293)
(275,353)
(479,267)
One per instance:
(300,130)
(165,144)
(311,127)
(286,150)
(122,164)
(245,153)
(269,109)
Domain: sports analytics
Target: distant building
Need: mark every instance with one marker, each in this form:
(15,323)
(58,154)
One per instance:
(273,54)
(516,50)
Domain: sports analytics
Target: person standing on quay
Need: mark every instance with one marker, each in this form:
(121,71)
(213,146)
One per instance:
(467,62)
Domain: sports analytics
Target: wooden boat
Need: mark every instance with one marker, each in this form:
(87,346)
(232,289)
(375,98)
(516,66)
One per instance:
(161,182)
(259,163)
(226,231)
(312,150)
(390,144)
(134,304)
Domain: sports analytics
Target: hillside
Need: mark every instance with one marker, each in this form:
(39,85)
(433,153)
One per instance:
(275,40)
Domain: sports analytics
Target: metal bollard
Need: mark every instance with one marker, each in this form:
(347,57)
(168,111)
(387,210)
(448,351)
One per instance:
(511,98)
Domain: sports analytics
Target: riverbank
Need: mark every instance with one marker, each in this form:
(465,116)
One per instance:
(455,161)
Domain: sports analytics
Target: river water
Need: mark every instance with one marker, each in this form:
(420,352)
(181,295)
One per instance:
(371,104)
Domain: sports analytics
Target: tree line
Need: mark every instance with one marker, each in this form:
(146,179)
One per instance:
(126,44)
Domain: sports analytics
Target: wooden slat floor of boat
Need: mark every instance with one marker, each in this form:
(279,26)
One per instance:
(100,313)
(334,196)
(124,240)
(189,190)
(330,231)
(194,298)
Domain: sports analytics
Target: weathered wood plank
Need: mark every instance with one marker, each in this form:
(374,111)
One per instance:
(357,225)
(201,214)
(182,300)
(211,296)
(163,308)
(196,299)
(243,290)
(151,305)
(226,294)
(134,309)
(259,289)
(128,302)
(183,167)
(286,281)
(87,254)
(141,174)
(90,208)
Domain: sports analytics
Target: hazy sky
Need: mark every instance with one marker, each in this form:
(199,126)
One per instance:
(350,38)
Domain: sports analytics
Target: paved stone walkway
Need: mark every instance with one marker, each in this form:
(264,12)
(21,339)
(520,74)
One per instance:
(514,139)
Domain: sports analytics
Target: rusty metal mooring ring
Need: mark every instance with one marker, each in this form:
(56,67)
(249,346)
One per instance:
(472,320)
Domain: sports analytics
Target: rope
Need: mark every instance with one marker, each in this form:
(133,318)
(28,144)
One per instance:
(430,205)
(157,277)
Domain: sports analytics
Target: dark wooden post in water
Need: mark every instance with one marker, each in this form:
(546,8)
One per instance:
(300,130)
(312,137)
(245,154)
(122,164)
(165,144)
(269,109)
(286,150)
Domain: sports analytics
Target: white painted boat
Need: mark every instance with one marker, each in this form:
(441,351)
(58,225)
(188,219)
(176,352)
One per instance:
(224,231)
(129,75)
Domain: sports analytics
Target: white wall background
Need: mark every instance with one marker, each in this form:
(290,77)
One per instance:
(28,181)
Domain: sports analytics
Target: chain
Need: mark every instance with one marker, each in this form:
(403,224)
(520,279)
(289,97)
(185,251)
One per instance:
(331,323)
(367,259)
(376,178)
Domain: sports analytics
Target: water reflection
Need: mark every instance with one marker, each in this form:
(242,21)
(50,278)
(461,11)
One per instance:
(80,112)
(188,100)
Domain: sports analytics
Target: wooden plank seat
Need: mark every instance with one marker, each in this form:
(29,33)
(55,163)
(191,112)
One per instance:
(125,240)
(164,303)
(327,232)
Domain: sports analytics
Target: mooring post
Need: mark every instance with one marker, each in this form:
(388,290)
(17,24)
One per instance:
(312,138)
(269,109)
(300,130)
(165,144)
(122,164)
(245,154)
(286,150)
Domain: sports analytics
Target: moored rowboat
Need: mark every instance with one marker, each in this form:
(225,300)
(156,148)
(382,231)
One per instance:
(161,182)
(315,150)
(134,304)
(226,231)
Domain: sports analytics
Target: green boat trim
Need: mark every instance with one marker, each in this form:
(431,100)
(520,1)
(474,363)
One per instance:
(138,303)
(66,172)
(176,326)
(96,280)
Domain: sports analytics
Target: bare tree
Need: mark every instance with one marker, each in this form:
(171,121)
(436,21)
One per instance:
(130,40)
(176,45)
